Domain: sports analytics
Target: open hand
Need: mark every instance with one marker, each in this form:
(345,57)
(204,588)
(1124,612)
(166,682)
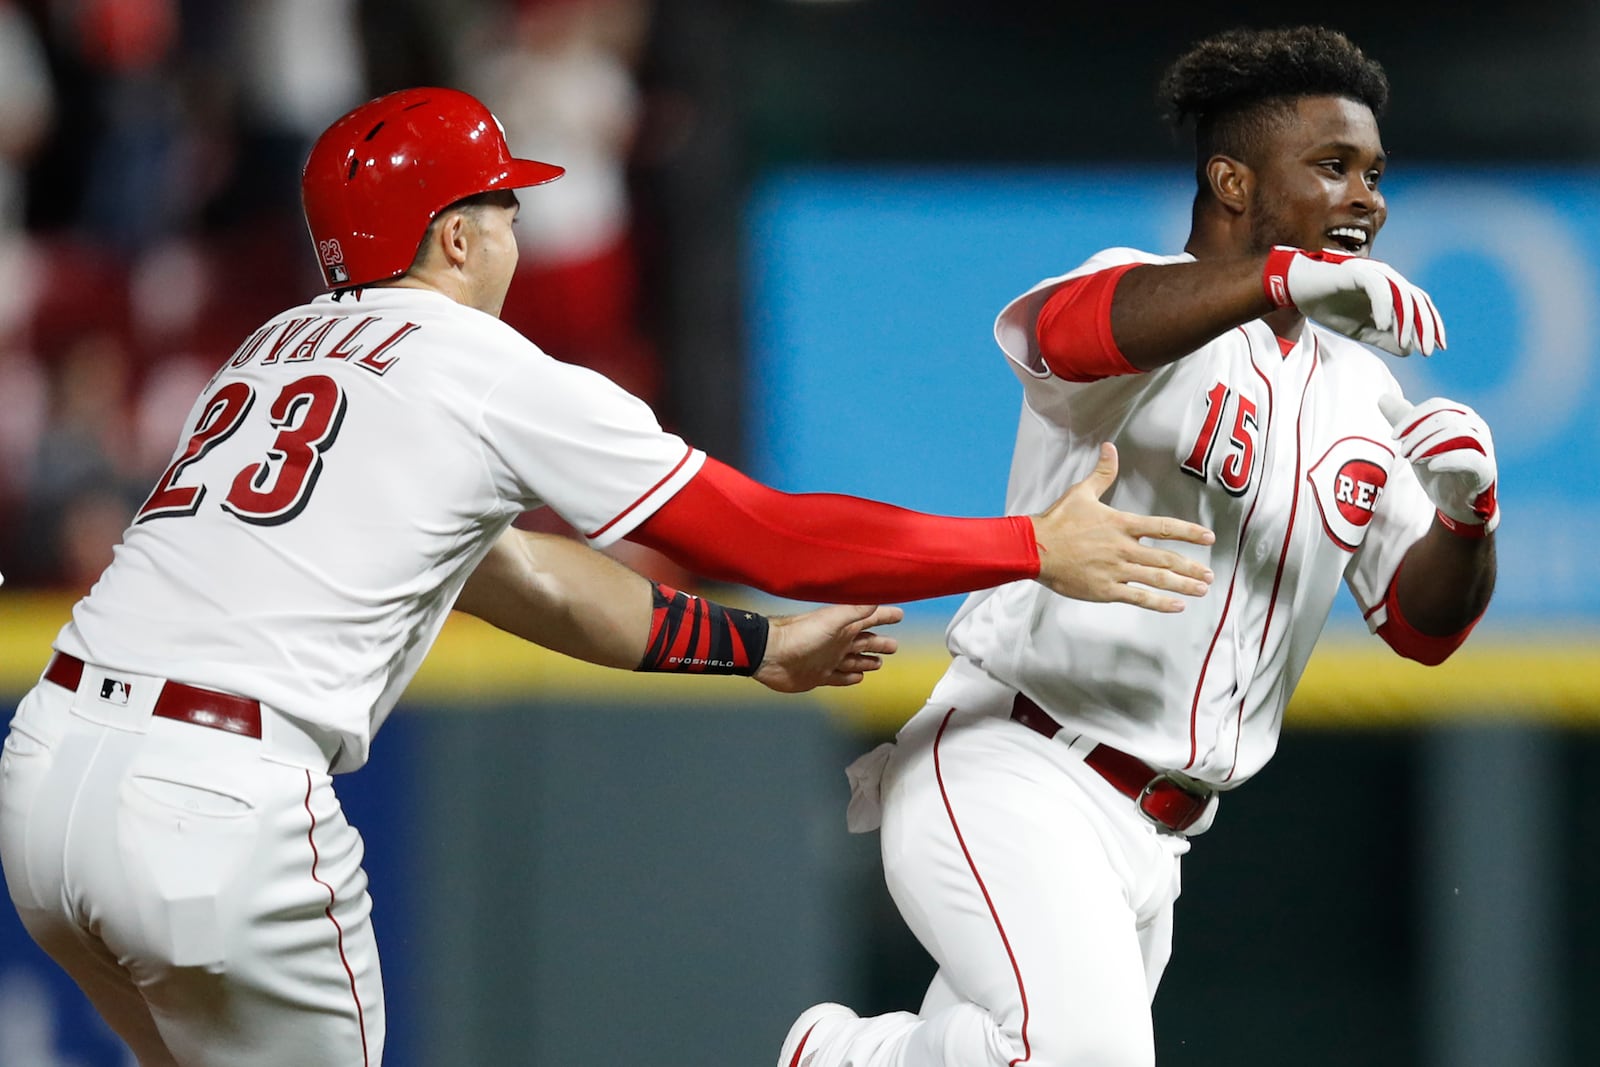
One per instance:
(831,645)
(1089,551)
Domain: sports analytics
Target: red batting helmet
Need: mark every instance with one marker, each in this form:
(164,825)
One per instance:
(380,175)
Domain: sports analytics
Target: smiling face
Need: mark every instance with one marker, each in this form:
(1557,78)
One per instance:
(1316,179)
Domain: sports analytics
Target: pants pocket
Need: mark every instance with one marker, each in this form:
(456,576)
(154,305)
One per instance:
(188,798)
(185,847)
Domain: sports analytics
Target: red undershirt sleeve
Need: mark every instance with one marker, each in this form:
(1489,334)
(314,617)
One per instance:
(728,527)
(1074,329)
(1412,643)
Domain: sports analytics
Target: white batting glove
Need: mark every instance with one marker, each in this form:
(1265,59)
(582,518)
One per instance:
(1360,298)
(1450,449)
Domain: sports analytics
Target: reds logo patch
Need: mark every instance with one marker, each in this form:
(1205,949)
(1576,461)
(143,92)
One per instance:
(1347,483)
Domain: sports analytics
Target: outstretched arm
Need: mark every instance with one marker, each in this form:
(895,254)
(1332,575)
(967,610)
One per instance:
(554,592)
(1161,312)
(825,546)
(1137,317)
(557,593)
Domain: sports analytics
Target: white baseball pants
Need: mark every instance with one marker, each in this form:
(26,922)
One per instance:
(202,888)
(1043,895)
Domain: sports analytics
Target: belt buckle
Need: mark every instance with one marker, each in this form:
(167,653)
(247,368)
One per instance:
(1175,780)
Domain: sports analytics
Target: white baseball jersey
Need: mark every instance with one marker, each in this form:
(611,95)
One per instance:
(1045,897)
(338,480)
(1286,457)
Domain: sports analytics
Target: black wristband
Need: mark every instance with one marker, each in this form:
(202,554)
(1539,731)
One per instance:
(692,635)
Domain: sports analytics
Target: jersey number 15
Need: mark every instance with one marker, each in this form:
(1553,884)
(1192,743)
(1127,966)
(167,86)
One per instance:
(1239,461)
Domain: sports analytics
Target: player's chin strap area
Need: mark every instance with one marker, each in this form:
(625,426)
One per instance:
(1168,800)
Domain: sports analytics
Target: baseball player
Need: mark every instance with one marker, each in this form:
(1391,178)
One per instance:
(1034,811)
(168,826)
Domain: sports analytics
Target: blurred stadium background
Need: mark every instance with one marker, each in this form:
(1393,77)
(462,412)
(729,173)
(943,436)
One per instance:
(789,224)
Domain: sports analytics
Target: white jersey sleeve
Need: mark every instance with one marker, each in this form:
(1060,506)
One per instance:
(1014,328)
(571,439)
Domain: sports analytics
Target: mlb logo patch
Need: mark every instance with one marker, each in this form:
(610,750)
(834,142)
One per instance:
(115,691)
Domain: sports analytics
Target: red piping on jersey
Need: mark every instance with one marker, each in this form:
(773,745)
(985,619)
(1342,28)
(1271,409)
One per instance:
(1283,554)
(643,496)
(1233,579)
(361,1019)
(1022,991)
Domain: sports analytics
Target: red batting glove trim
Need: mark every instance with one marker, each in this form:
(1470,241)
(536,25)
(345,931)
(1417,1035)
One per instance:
(1470,531)
(1425,417)
(1487,506)
(1411,643)
(1438,327)
(1275,277)
(1074,329)
(1454,443)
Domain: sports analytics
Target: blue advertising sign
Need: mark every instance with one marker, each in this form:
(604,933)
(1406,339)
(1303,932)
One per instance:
(874,369)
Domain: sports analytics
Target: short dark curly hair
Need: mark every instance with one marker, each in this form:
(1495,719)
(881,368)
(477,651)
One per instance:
(1236,85)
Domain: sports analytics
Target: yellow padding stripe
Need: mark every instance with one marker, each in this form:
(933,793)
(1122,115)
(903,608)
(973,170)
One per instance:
(1351,681)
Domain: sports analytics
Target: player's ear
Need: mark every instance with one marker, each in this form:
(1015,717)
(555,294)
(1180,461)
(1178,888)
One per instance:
(454,236)
(1231,182)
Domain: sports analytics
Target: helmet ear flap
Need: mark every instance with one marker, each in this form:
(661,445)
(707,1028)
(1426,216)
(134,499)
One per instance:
(379,176)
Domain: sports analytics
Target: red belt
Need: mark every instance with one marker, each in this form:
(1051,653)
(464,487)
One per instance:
(185,703)
(1160,797)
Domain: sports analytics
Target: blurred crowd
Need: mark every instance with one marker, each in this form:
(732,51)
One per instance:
(149,213)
